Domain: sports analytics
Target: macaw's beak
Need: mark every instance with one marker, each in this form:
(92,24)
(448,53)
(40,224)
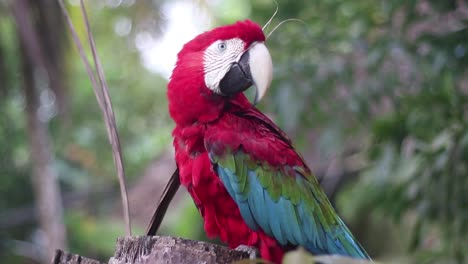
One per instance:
(253,68)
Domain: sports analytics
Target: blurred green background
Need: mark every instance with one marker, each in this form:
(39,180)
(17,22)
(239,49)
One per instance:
(374,94)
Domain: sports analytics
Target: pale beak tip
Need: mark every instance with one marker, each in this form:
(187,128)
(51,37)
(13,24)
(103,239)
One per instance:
(259,93)
(256,99)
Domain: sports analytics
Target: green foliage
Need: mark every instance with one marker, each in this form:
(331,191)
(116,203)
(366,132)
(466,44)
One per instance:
(93,236)
(422,168)
(184,221)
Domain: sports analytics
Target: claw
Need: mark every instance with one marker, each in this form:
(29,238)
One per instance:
(253,252)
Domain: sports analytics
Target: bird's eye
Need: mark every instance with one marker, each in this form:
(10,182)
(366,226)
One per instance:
(222,46)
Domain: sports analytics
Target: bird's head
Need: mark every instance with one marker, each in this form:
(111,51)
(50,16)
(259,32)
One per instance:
(217,66)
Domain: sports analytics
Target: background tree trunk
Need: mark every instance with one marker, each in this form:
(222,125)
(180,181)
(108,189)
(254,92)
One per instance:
(35,63)
(44,176)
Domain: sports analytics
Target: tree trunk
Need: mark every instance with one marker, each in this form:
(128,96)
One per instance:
(172,250)
(162,249)
(44,176)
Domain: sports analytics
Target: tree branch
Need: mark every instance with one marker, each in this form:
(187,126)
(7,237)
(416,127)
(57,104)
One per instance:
(101,92)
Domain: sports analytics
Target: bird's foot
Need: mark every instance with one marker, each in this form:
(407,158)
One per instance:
(253,252)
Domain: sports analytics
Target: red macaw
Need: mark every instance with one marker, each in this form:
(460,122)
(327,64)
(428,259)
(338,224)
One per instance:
(249,184)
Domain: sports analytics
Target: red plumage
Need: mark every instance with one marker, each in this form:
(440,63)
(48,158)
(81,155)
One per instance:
(199,113)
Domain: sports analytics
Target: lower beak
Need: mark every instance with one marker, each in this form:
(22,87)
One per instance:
(253,68)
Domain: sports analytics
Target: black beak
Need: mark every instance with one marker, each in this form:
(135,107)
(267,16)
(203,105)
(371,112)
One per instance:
(238,78)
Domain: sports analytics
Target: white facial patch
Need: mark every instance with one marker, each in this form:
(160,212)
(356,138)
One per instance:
(218,58)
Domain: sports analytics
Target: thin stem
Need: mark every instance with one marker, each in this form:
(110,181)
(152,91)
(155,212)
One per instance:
(101,92)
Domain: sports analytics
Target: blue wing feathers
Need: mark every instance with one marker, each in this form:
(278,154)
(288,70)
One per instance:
(247,214)
(226,175)
(268,209)
(298,223)
(256,201)
(308,225)
(282,216)
(285,214)
(267,215)
(334,245)
(296,226)
(291,222)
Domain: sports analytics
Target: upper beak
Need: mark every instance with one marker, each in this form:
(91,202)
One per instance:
(253,68)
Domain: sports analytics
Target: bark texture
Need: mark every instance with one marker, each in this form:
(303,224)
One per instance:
(172,250)
(62,257)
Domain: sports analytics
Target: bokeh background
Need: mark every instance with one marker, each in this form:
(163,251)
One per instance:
(373,93)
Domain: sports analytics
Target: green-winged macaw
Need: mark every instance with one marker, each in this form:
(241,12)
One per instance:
(247,180)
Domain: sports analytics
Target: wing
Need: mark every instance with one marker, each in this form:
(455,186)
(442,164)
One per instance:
(273,188)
